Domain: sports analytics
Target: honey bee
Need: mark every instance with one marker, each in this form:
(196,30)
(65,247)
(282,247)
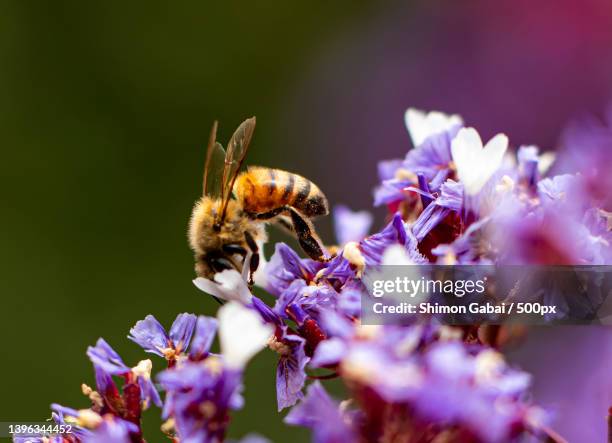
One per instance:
(223,230)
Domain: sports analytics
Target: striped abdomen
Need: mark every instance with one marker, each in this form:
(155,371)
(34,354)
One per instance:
(262,190)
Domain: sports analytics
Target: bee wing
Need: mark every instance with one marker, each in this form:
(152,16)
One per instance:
(234,157)
(215,161)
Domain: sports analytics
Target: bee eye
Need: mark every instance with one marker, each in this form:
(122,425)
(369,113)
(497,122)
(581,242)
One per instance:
(220,264)
(234,249)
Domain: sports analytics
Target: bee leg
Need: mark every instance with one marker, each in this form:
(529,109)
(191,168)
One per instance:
(307,236)
(254,263)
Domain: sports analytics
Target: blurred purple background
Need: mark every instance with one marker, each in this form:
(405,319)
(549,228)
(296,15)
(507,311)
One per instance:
(520,67)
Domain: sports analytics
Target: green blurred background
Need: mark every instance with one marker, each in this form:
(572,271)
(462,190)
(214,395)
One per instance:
(105,110)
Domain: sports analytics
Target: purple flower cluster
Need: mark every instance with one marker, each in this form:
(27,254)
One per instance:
(451,200)
(115,409)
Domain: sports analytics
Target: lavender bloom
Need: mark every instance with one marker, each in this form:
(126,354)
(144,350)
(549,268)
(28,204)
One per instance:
(450,199)
(111,431)
(587,150)
(370,250)
(320,413)
(445,384)
(351,226)
(200,394)
(285,266)
(469,248)
(199,398)
(431,136)
(562,192)
(205,331)
(433,157)
(108,363)
(152,336)
(387,168)
(290,371)
(94,428)
(479,392)
(105,358)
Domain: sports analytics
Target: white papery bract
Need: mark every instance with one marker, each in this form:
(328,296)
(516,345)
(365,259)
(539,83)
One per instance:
(421,125)
(228,285)
(476,164)
(242,334)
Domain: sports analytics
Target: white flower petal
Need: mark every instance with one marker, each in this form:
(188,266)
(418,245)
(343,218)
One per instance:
(396,255)
(228,285)
(495,149)
(475,164)
(421,125)
(242,334)
(546,161)
(260,278)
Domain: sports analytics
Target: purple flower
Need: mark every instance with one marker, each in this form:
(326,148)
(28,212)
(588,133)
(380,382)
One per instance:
(285,266)
(528,162)
(431,135)
(563,193)
(290,371)
(433,156)
(449,200)
(205,331)
(108,363)
(468,248)
(152,336)
(112,431)
(105,358)
(392,190)
(444,383)
(351,226)
(387,168)
(477,391)
(587,150)
(546,237)
(323,416)
(370,250)
(94,428)
(200,396)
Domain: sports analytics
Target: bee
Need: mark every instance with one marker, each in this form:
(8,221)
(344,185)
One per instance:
(224,231)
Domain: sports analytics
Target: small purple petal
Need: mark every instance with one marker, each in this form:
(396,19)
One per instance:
(387,168)
(181,331)
(351,225)
(320,413)
(205,331)
(150,335)
(148,392)
(290,373)
(433,155)
(329,352)
(285,266)
(112,431)
(104,357)
(374,246)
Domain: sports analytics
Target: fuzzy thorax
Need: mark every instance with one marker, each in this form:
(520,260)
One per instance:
(205,238)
